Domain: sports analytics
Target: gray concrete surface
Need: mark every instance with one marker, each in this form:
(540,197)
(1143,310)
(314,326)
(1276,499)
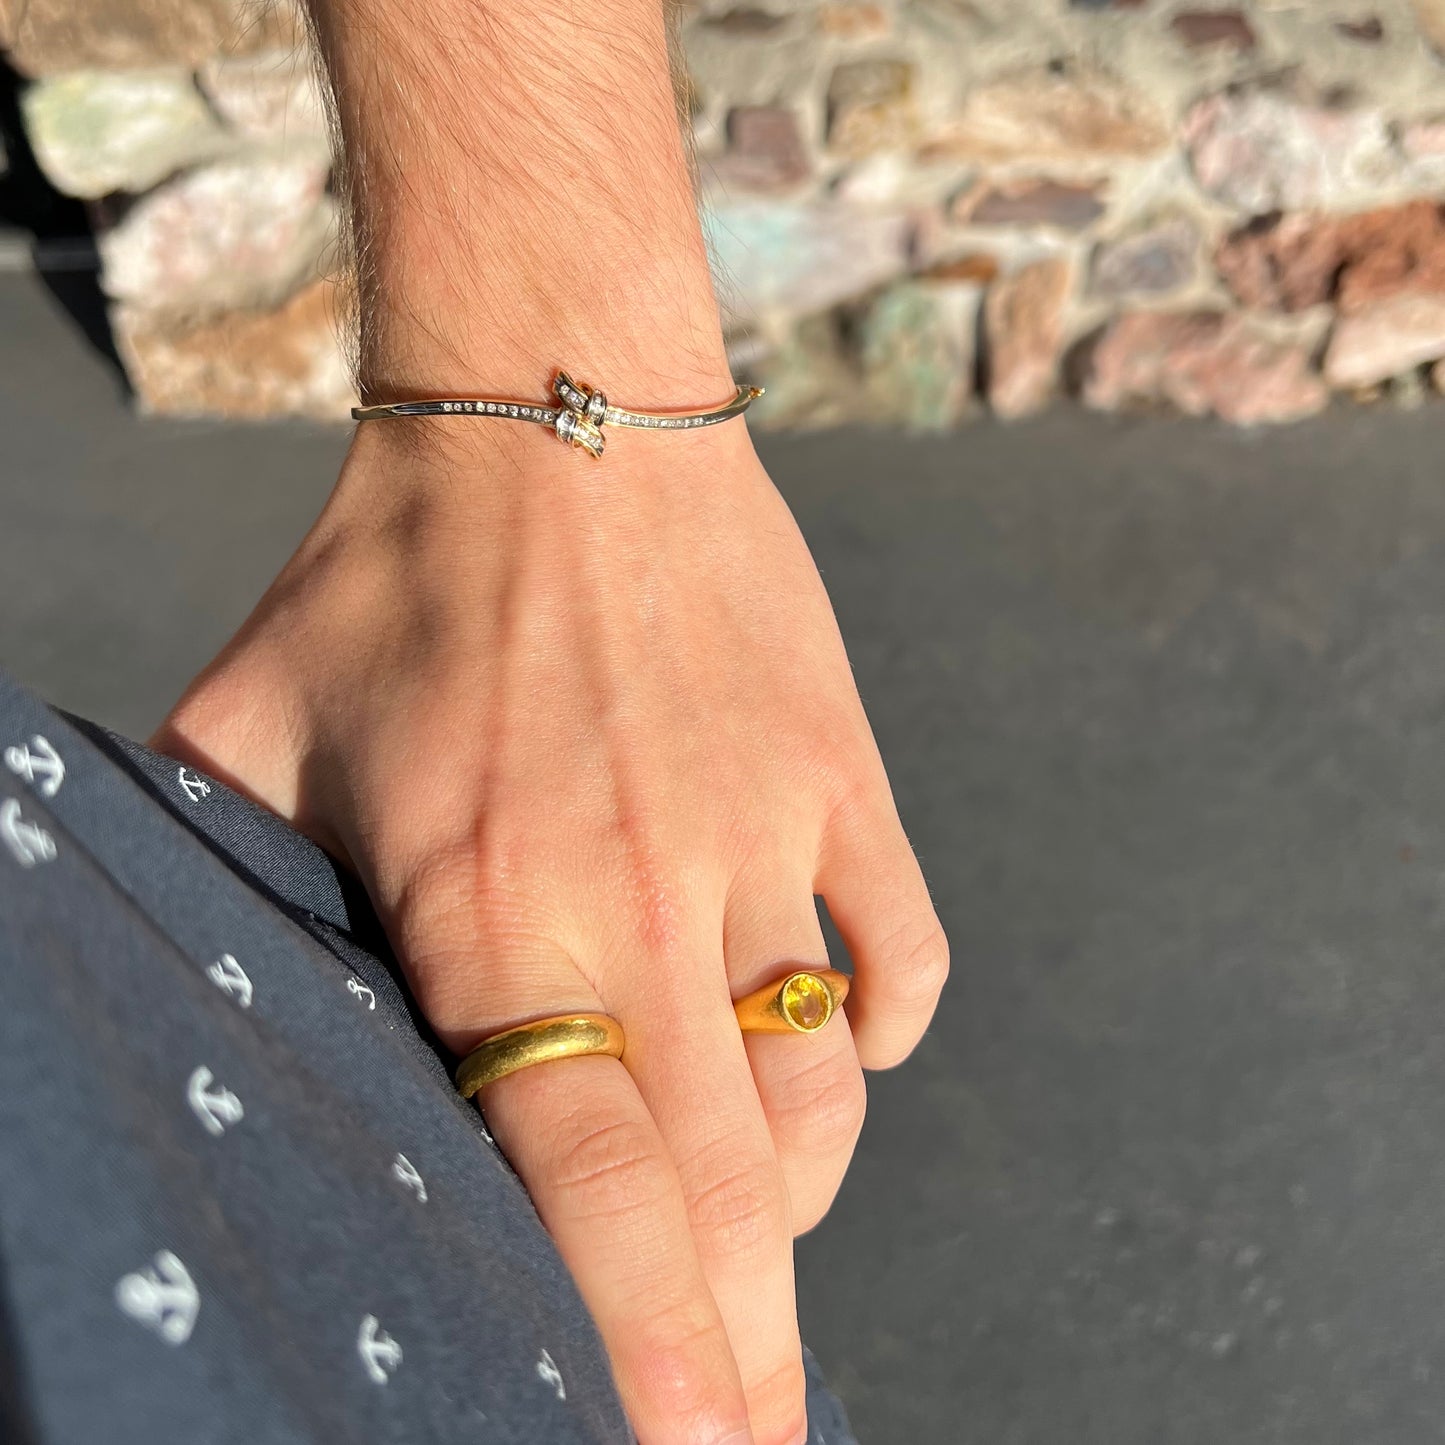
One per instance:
(1165,709)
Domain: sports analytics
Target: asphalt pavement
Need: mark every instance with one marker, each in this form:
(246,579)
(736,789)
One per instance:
(1164,707)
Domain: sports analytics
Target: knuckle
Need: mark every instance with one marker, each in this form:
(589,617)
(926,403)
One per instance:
(822,1110)
(609,1170)
(462,888)
(689,1380)
(918,963)
(742,1210)
(777,1401)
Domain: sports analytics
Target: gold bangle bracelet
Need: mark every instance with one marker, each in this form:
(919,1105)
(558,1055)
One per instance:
(567,1036)
(579,420)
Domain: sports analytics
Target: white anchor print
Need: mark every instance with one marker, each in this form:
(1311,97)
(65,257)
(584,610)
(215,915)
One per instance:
(548,1371)
(39,764)
(230,977)
(406,1172)
(380,1354)
(163,1296)
(28,842)
(193,785)
(355,985)
(213,1104)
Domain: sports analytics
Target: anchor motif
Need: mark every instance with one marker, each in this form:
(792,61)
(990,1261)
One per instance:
(548,1371)
(217,1107)
(28,842)
(355,985)
(193,785)
(38,764)
(406,1172)
(230,977)
(163,1297)
(380,1354)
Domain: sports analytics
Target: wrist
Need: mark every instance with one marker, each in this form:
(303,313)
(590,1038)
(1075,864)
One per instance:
(648,339)
(465,454)
(514,213)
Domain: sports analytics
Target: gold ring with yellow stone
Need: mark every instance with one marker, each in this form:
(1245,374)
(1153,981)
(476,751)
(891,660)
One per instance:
(800,1003)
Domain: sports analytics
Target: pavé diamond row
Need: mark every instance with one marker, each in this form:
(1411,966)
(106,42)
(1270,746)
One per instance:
(578,421)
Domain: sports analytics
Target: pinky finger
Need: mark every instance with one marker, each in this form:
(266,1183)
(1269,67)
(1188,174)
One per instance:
(590,1155)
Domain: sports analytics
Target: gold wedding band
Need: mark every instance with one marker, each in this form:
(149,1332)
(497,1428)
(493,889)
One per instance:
(801,1003)
(567,1036)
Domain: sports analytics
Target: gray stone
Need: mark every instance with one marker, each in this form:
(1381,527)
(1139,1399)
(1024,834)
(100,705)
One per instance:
(96,132)
(272,96)
(1201,28)
(917,345)
(1030,201)
(1263,151)
(808,378)
(236,234)
(1156,261)
(800,257)
(1369,30)
(765,152)
(747,20)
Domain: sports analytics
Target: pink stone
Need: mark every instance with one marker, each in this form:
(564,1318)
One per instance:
(1024,330)
(1202,362)
(1430,14)
(853,19)
(1424,138)
(253,364)
(47,37)
(1386,339)
(871,107)
(1041,117)
(234,234)
(1261,150)
(1304,260)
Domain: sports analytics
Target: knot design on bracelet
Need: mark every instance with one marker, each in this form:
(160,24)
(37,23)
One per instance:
(579,420)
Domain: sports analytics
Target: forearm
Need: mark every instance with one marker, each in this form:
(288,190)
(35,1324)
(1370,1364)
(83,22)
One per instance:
(521,198)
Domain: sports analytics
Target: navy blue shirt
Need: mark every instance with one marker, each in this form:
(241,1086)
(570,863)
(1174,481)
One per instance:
(240,1200)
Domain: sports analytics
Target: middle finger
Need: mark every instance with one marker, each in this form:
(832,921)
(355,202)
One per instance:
(686,1053)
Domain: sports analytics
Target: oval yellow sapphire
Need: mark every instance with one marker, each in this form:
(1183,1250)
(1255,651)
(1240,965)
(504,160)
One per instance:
(806,1002)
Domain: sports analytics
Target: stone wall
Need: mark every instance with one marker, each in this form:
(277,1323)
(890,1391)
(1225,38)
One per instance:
(919,209)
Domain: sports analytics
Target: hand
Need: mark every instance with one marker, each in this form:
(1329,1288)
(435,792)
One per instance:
(588,734)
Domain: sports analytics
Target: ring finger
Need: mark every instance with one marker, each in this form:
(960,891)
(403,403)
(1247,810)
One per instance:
(811,1087)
